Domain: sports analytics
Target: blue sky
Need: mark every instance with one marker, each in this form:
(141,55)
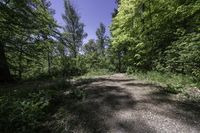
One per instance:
(92,12)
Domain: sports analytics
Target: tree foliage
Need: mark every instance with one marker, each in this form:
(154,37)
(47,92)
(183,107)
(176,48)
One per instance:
(158,35)
(101,38)
(74,29)
(25,27)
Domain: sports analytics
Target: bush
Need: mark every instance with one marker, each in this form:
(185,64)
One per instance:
(131,70)
(173,83)
(175,89)
(77,93)
(74,67)
(98,72)
(183,55)
(23,115)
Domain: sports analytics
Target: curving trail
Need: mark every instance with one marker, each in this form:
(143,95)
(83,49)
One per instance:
(118,104)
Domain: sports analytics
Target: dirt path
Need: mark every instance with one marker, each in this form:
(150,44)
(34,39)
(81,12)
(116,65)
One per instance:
(118,104)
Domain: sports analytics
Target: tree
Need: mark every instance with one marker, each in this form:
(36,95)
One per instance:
(101,38)
(90,47)
(4,69)
(73,30)
(23,24)
(91,55)
(157,35)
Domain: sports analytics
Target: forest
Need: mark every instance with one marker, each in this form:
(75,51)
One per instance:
(49,75)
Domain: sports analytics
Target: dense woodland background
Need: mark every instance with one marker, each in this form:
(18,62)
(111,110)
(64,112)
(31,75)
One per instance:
(158,35)
(148,37)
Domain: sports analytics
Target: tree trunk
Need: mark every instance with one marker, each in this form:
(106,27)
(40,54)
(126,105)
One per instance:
(5,75)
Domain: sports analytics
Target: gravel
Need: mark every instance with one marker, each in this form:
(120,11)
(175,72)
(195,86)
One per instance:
(118,104)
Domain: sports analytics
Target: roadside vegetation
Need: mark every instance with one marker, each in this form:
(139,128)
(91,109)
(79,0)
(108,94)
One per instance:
(172,83)
(41,62)
(158,41)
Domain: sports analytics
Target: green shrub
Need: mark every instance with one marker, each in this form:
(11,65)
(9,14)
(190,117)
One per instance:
(74,66)
(77,94)
(130,70)
(98,72)
(174,83)
(60,84)
(175,89)
(183,55)
(23,114)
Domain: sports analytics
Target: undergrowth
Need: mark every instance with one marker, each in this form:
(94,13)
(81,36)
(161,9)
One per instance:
(172,83)
(25,108)
(98,72)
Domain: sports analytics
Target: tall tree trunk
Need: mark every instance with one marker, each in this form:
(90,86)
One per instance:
(5,75)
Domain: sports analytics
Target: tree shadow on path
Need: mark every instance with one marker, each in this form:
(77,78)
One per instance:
(105,99)
(97,112)
(186,112)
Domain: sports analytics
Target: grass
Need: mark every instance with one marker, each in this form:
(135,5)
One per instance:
(38,104)
(27,106)
(24,107)
(173,83)
(99,72)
